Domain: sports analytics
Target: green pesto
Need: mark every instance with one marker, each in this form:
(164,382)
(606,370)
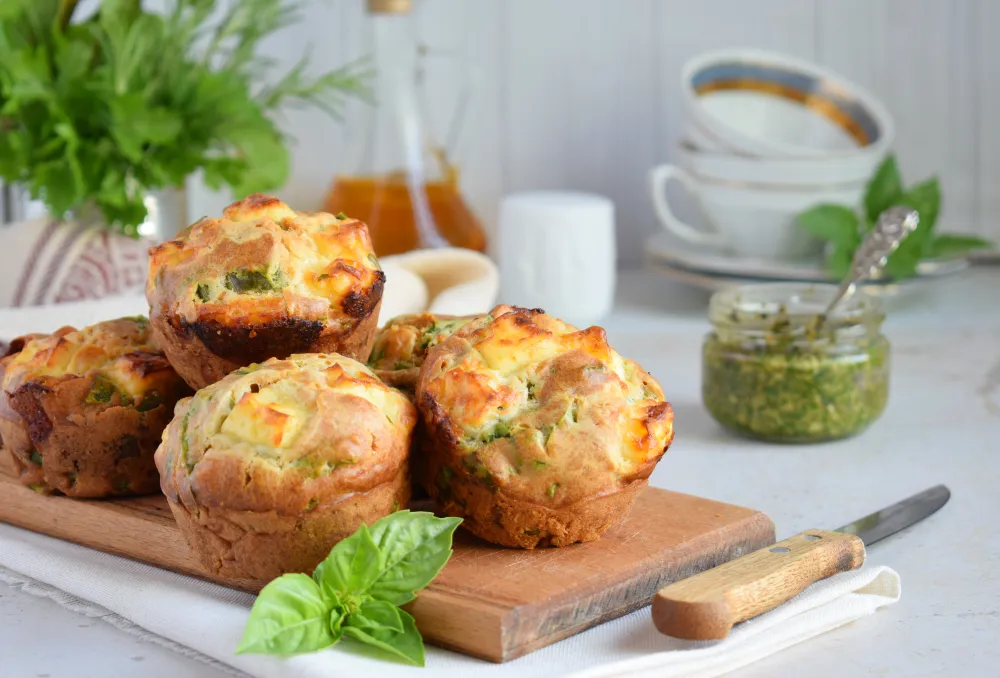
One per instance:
(795,391)
(253,281)
(35,457)
(102,391)
(38,487)
(538,463)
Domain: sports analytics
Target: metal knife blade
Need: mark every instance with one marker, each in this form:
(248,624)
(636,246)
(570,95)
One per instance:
(879,525)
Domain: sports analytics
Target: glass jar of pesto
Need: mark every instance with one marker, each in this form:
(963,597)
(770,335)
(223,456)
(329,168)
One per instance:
(774,368)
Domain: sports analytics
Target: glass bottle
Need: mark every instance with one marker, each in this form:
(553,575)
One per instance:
(402,184)
(773,368)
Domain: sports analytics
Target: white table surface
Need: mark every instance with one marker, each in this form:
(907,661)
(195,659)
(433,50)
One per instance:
(942,425)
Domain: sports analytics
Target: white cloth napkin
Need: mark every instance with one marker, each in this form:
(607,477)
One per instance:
(205,621)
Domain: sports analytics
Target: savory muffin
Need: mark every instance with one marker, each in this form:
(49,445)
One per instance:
(81,411)
(263,281)
(268,468)
(400,346)
(539,434)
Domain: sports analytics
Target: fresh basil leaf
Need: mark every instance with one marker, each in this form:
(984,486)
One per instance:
(407,644)
(351,567)
(833,223)
(953,244)
(903,262)
(337,616)
(884,189)
(289,616)
(838,262)
(413,547)
(376,614)
(925,197)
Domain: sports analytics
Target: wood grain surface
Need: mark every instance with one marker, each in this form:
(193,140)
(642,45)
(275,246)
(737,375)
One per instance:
(489,602)
(707,605)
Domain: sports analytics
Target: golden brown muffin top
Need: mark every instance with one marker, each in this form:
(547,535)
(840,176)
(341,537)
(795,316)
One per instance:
(542,408)
(276,434)
(403,342)
(262,262)
(121,355)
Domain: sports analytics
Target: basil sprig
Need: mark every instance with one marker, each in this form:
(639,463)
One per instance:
(356,591)
(843,227)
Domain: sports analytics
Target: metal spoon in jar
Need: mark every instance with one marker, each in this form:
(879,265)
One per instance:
(893,225)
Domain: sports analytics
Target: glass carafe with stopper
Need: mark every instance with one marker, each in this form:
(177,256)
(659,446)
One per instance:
(402,183)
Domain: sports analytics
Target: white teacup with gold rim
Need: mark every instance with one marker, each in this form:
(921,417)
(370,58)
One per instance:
(747,218)
(764,104)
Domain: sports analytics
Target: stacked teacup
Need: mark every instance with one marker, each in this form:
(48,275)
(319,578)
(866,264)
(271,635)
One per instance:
(768,136)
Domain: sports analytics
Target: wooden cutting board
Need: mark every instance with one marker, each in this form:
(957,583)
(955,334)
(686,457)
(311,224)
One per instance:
(489,602)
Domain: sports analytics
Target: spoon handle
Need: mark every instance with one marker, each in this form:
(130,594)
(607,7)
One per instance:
(893,225)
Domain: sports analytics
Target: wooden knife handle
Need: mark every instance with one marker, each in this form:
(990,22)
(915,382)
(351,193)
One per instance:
(707,605)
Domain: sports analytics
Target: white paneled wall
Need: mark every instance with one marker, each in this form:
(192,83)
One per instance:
(583,94)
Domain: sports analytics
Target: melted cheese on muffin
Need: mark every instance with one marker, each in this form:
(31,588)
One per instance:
(263,261)
(404,341)
(533,398)
(280,412)
(115,352)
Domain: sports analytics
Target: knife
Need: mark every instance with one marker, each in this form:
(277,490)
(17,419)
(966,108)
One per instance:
(707,605)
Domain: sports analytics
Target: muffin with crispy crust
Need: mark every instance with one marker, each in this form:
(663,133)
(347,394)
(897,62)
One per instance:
(263,281)
(268,468)
(402,343)
(81,411)
(539,434)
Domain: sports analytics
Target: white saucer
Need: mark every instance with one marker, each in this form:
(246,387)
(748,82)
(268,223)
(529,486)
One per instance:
(666,250)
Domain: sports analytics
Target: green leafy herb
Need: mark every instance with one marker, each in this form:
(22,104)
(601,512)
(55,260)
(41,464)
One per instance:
(99,108)
(884,189)
(290,616)
(340,215)
(35,457)
(203,292)
(356,591)
(842,228)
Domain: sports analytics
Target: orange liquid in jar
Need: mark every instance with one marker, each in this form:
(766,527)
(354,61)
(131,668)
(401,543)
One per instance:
(385,204)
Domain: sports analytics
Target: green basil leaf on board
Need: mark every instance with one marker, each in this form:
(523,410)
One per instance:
(355,591)
(376,614)
(884,189)
(407,644)
(948,244)
(289,616)
(414,546)
(350,568)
